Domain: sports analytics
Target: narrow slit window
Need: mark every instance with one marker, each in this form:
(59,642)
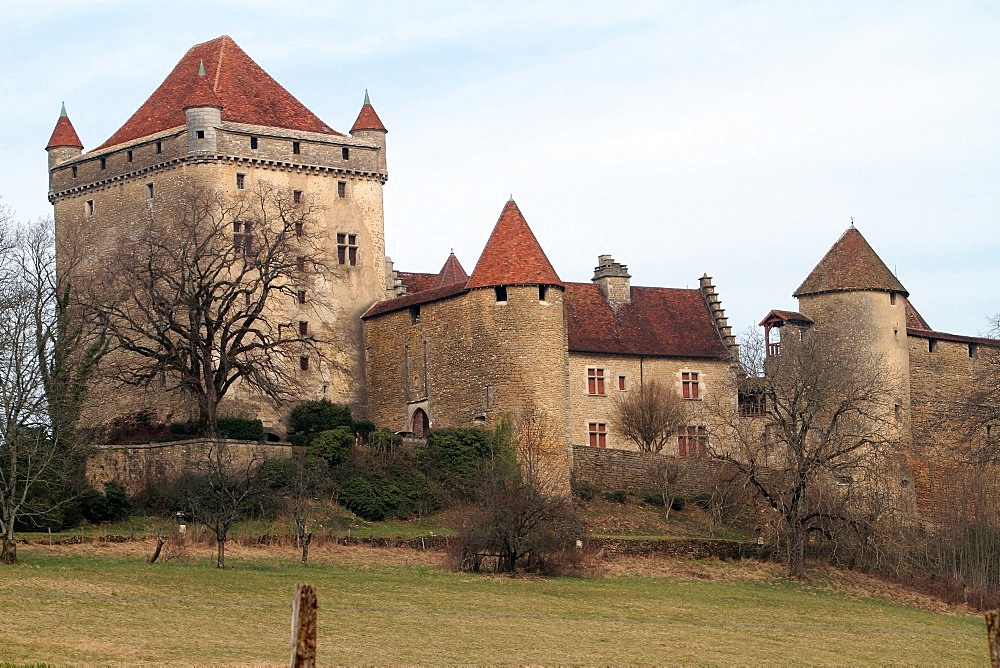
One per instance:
(304,363)
(149,191)
(90,207)
(973,351)
(128,155)
(299,228)
(622,384)
(414,314)
(302,296)
(253,143)
(104,163)
(296,148)
(303,328)
(542,291)
(892,298)
(159,147)
(931,345)
(300,263)
(297,197)
(241,181)
(74,171)
(342,189)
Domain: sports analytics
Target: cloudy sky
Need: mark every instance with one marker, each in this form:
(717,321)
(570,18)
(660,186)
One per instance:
(732,138)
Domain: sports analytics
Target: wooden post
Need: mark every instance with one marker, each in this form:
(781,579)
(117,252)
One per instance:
(304,627)
(993,636)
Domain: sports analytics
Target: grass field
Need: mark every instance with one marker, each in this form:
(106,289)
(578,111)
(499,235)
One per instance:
(102,604)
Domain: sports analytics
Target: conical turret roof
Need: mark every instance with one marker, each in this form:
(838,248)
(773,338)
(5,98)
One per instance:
(368,119)
(64,134)
(512,255)
(851,264)
(246,93)
(201,93)
(451,273)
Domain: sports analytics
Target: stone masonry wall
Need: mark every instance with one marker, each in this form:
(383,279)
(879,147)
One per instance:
(612,470)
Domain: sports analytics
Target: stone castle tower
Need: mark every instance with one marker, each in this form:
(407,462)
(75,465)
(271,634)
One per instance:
(221,123)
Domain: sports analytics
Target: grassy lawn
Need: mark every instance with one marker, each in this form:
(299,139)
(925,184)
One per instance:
(103,604)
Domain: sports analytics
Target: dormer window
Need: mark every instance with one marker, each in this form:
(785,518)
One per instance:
(542,291)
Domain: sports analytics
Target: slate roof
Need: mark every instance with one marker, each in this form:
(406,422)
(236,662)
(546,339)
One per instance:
(667,322)
(451,273)
(512,255)
(245,91)
(850,264)
(64,134)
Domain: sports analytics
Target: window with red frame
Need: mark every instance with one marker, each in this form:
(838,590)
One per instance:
(689,385)
(598,432)
(242,239)
(595,380)
(692,441)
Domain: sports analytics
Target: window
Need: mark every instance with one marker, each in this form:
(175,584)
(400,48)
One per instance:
(303,328)
(751,402)
(892,298)
(341,189)
(692,441)
(90,207)
(128,156)
(414,314)
(159,147)
(542,289)
(345,153)
(689,385)
(241,181)
(501,293)
(300,263)
(296,148)
(622,383)
(931,345)
(242,237)
(304,363)
(973,351)
(302,296)
(104,163)
(200,134)
(347,249)
(299,227)
(149,191)
(595,380)
(598,433)
(74,171)
(296,197)
(253,143)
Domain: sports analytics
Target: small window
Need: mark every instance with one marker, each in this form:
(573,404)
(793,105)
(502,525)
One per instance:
(90,207)
(302,296)
(414,314)
(128,155)
(892,298)
(242,237)
(300,263)
(598,434)
(200,134)
(347,249)
(159,147)
(296,148)
(241,181)
(74,171)
(303,328)
(345,153)
(501,293)
(299,228)
(595,380)
(622,383)
(104,163)
(304,363)
(253,143)
(931,345)
(542,290)
(973,351)
(296,197)
(341,189)
(690,385)
(149,191)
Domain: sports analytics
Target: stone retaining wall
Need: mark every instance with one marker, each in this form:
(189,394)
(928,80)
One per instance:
(629,471)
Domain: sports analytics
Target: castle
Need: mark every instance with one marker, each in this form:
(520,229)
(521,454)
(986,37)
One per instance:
(412,351)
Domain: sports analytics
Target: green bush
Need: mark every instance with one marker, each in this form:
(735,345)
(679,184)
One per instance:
(312,417)
(240,429)
(678,503)
(653,498)
(111,506)
(333,445)
(618,496)
(456,457)
(364,429)
(703,500)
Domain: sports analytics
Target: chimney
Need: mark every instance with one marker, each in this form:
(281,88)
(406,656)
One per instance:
(612,277)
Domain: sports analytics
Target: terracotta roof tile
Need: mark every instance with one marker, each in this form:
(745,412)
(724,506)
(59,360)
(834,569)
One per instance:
(957,338)
(246,93)
(512,255)
(200,93)
(913,318)
(777,315)
(422,297)
(850,264)
(64,134)
(451,273)
(367,119)
(667,322)
(416,281)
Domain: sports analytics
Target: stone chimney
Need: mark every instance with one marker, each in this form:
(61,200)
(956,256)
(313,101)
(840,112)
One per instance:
(613,279)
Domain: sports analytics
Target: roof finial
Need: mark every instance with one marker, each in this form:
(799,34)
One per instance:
(201,68)
(511,198)
(63,112)
(852,222)
(367,101)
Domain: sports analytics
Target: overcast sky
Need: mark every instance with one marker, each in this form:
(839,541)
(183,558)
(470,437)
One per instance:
(736,139)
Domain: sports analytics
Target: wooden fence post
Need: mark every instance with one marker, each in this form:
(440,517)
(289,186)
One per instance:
(304,627)
(993,636)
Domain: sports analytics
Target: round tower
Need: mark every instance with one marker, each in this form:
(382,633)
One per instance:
(64,143)
(202,115)
(368,127)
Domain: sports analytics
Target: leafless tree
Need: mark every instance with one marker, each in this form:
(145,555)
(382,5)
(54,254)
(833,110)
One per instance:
(828,413)
(194,296)
(649,415)
(668,474)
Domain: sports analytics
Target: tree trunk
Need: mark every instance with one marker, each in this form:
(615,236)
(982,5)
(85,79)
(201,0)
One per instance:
(156,552)
(796,549)
(8,554)
(305,540)
(221,561)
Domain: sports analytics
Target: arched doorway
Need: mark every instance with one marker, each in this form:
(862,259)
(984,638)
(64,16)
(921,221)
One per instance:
(420,423)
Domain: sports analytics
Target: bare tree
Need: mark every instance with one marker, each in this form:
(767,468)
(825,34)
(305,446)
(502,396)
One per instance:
(827,415)
(649,415)
(668,474)
(194,300)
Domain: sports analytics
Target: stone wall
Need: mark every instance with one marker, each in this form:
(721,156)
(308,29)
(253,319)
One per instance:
(158,464)
(612,470)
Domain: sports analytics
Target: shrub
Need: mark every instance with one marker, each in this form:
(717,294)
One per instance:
(653,498)
(618,496)
(585,491)
(703,501)
(111,506)
(240,429)
(456,457)
(333,445)
(678,504)
(312,417)
(363,428)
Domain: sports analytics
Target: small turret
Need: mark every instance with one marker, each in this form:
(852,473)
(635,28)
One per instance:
(613,279)
(369,128)
(64,142)
(202,115)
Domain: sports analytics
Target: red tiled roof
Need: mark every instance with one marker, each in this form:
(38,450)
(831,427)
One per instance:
(64,134)
(201,94)
(451,273)
(367,120)
(850,264)
(667,322)
(415,281)
(785,316)
(246,93)
(913,318)
(957,338)
(512,255)
(422,297)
